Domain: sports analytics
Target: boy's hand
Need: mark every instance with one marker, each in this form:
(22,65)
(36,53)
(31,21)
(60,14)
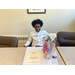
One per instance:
(24,46)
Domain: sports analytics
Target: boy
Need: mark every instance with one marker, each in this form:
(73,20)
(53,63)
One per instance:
(37,36)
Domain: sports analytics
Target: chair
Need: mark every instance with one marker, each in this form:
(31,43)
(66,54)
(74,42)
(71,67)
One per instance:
(65,39)
(8,41)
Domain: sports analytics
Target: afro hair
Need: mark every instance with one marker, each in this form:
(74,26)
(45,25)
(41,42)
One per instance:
(37,21)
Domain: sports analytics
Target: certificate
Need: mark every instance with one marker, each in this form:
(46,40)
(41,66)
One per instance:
(33,58)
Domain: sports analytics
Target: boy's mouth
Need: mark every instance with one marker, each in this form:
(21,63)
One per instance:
(38,30)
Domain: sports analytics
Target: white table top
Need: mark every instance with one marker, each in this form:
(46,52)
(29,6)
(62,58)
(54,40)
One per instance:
(15,56)
(44,60)
(68,54)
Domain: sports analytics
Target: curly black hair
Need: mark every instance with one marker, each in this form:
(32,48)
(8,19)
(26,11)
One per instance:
(37,21)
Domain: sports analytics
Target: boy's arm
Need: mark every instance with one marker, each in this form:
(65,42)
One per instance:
(28,41)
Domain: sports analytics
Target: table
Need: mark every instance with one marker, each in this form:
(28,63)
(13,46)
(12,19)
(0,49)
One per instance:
(68,54)
(12,56)
(15,56)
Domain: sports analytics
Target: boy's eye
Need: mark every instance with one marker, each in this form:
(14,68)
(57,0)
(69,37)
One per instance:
(37,27)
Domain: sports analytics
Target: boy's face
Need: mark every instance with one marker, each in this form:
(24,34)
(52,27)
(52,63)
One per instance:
(37,27)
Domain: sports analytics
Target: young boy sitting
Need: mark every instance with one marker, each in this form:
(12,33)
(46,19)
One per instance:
(37,36)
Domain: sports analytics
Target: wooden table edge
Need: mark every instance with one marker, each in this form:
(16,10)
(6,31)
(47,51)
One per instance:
(61,56)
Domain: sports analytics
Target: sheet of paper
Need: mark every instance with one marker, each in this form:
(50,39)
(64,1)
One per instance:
(33,57)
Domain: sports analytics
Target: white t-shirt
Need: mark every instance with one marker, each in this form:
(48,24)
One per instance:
(36,38)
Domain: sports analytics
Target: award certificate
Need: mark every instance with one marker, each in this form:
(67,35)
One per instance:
(33,58)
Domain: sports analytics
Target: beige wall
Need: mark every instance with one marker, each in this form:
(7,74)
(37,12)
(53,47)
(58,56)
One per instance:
(18,22)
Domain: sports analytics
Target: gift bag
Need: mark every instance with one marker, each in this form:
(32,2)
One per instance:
(48,45)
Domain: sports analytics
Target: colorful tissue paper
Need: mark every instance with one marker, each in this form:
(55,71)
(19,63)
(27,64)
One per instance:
(46,48)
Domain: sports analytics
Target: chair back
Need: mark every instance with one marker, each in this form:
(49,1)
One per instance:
(66,39)
(8,41)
